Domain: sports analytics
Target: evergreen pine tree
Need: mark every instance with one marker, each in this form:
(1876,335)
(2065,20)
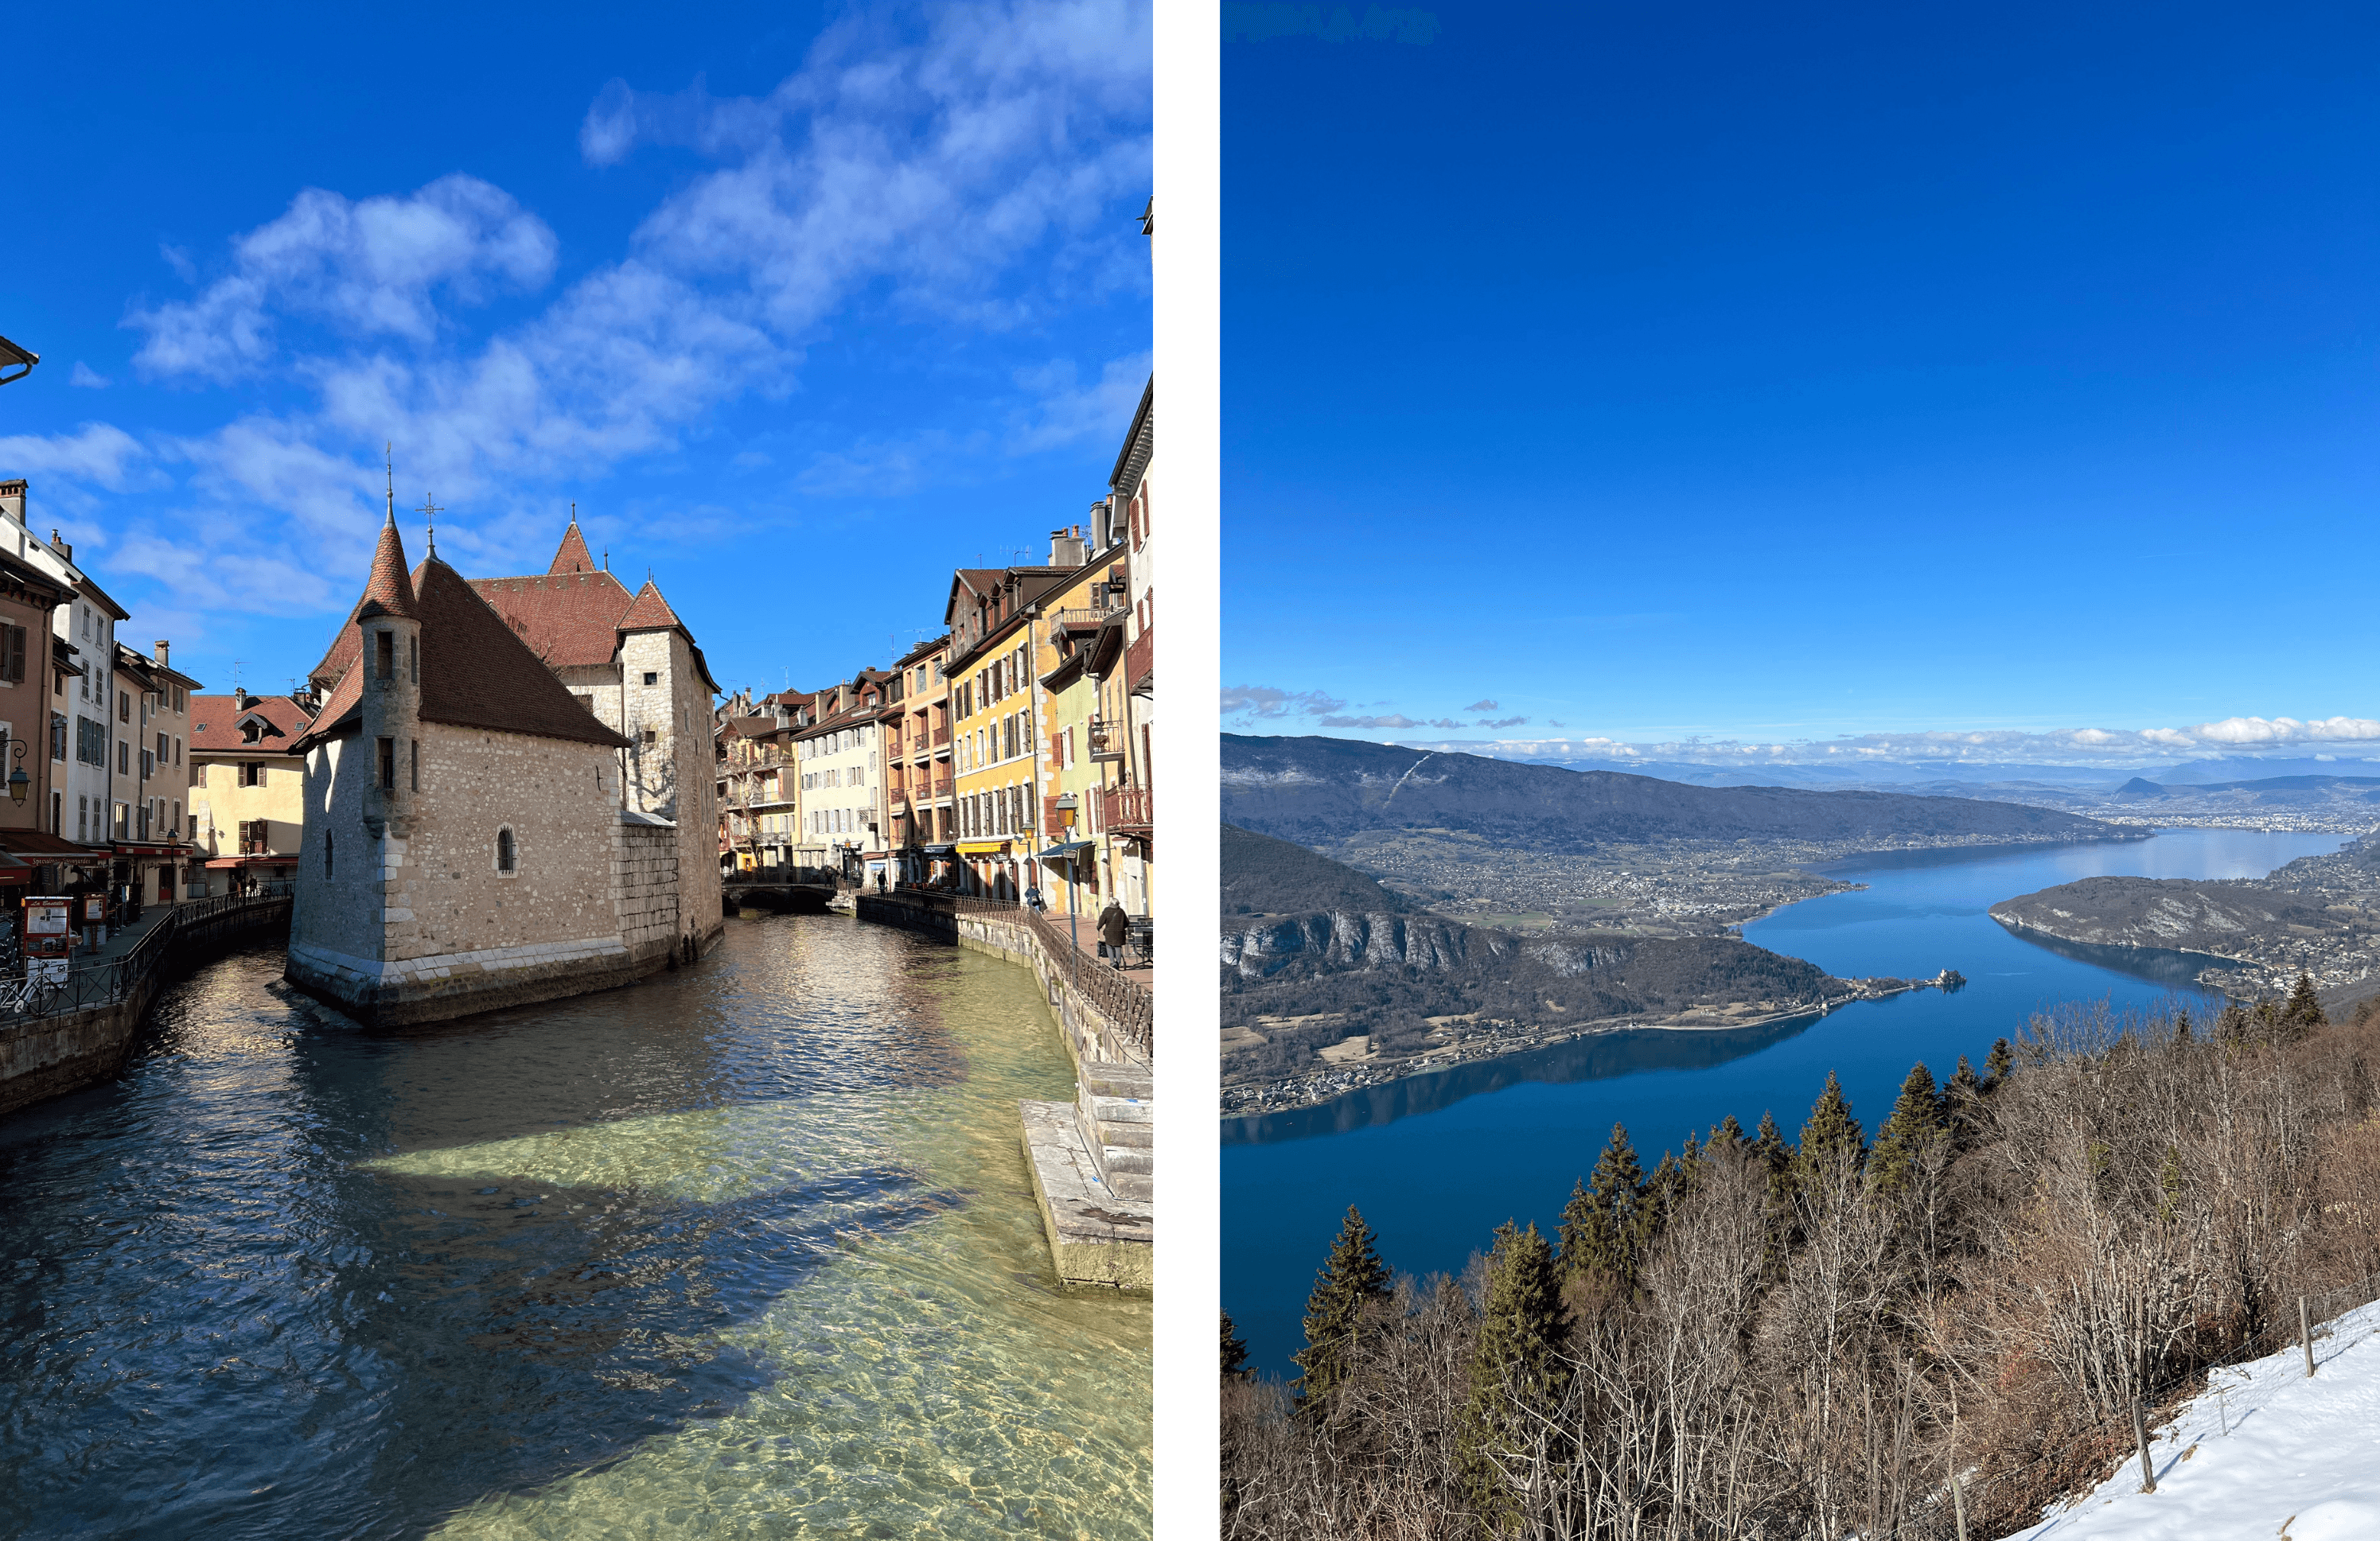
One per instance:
(1728,1132)
(1662,1192)
(2304,1013)
(1998,1063)
(1602,1225)
(2181,1031)
(2232,1022)
(1690,1165)
(1518,1376)
(1832,1134)
(1235,1354)
(1962,1100)
(1350,1283)
(1769,1145)
(1915,1125)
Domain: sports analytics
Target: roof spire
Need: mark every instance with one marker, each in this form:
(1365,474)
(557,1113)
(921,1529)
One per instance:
(431,511)
(389,451)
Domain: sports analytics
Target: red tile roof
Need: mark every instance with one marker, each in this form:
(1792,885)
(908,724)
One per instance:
(215,720)
(572,557)
(477,672)
(389,587)
(650,613)
(570,620)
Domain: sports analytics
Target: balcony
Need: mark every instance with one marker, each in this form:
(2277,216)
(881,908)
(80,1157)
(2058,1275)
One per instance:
(1105,738)
(1091,619)
(1125,810)
(1139,664)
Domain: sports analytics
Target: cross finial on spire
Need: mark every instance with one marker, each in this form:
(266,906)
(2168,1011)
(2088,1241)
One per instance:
(389,451)
(431,511)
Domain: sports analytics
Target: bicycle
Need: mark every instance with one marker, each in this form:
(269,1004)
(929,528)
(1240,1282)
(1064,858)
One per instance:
(28,996)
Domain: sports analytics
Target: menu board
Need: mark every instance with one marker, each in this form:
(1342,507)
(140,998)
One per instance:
(46,917)
(94,908)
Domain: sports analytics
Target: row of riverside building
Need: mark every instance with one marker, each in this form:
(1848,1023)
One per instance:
(124,781)
(1010,752)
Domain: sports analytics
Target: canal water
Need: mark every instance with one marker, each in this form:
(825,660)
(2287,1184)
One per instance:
(1437,1162)
(748,1250)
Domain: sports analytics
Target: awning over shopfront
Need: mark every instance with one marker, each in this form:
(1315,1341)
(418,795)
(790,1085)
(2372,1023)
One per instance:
(1067,852)
(14,871)
(983,847)
(41,842)
(220,862)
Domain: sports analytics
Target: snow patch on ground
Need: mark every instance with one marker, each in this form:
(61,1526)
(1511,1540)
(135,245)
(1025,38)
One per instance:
(2302,1460)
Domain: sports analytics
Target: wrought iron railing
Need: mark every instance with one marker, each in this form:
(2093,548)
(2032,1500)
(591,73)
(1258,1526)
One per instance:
(109,980)
(1123,1001)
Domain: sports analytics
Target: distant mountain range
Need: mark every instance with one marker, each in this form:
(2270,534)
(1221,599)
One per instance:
(1324,790)
(1949,778)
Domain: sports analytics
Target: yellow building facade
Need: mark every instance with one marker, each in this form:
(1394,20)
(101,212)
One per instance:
(247,788)
(995,766)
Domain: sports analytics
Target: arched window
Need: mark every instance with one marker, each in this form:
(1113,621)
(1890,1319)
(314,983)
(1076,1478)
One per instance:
(504,850)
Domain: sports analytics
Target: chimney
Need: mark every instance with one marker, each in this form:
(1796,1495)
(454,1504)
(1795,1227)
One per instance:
(241,699)
(1065,550)
(12,499)
(163,647)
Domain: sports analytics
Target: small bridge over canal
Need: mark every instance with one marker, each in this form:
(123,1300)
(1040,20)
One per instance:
(785,889)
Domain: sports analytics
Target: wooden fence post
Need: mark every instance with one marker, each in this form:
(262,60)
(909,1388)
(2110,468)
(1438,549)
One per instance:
(2305,1336)
(2141,1433)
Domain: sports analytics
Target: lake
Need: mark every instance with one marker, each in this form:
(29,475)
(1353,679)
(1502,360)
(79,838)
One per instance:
(748,1249)
(1437,1162)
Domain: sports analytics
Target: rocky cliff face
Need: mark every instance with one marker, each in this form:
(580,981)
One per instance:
(1348,939)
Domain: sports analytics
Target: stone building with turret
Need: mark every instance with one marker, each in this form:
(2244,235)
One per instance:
(493,816)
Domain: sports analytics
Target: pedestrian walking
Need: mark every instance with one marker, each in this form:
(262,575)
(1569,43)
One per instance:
(1112,923)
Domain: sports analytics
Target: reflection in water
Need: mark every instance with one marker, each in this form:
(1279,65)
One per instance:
(751,1246)
(2177,971)
(1593,1058)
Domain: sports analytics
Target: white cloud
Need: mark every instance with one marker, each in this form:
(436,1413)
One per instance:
(87,377)
(1399,721)
(967,166)
(100,455)
(1066,413)
(364,270)
(2066,747)
(1263,701)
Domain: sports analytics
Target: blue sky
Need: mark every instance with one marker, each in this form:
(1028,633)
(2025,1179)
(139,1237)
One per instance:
(803,305)
(1772,374)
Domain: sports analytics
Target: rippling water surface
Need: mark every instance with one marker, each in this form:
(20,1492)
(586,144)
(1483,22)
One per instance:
(749,1250)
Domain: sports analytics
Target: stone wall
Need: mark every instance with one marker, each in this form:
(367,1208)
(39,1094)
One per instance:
(422,925)
(45,1057)
(646,873)
(1091,1036)
(673,777)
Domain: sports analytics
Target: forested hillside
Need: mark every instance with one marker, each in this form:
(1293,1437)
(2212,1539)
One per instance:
(1779,1338)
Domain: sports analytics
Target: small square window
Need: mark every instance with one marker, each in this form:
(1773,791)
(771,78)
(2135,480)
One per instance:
(651,678)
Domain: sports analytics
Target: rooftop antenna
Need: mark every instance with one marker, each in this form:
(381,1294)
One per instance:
(431,510)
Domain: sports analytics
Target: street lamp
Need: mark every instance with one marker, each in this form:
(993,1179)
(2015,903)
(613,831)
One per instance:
(1065,805)
(18,783)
